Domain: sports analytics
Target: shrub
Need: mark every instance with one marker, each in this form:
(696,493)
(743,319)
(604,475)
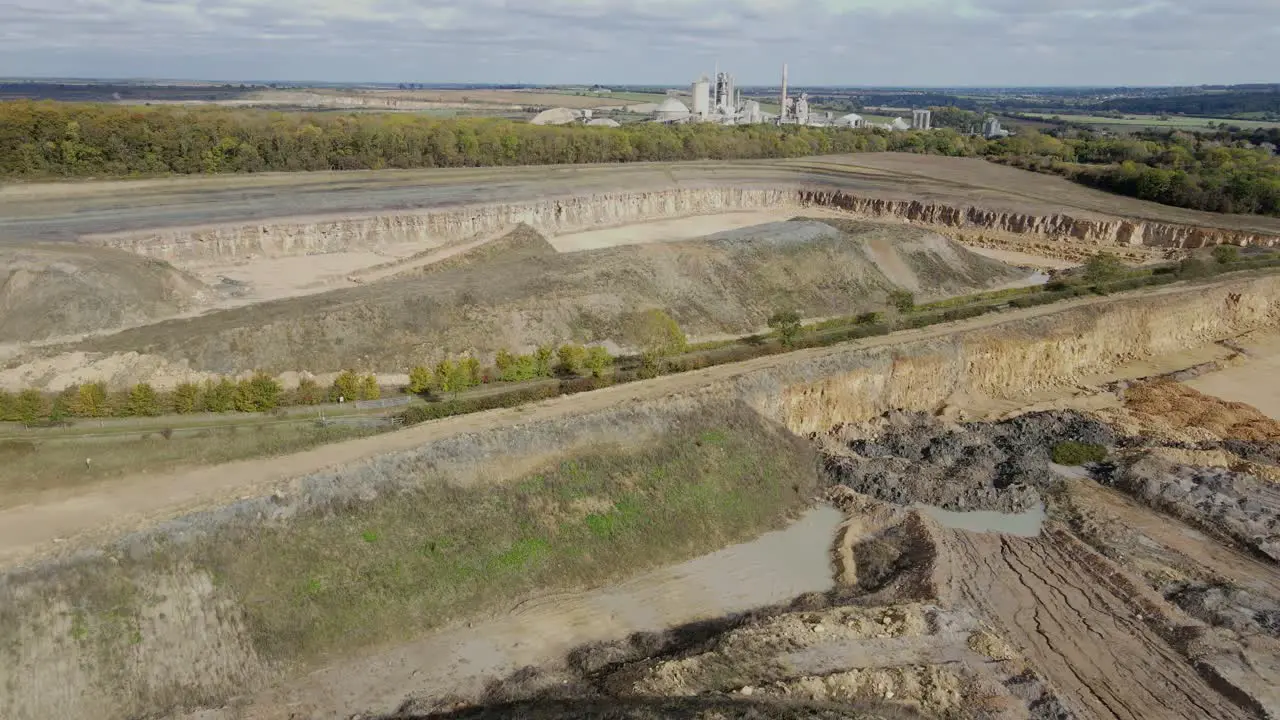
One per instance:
(91,400)
(219,397)
(257,394)
(904,301)
(369,389)
(421,379)
(786,325)
(436,410)
(542,361)
(598,360)
(185,398)
(345,387)
(308,392)
(572,359)
(656,333)
(1102,267)
(870,318)
(1226,254)
(29,407)
(1075,453)
(143,401)
(1194,268)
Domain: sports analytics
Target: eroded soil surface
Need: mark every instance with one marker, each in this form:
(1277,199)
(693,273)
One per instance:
(1152,590)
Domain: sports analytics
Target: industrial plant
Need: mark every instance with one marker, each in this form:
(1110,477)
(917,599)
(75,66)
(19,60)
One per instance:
(717,100)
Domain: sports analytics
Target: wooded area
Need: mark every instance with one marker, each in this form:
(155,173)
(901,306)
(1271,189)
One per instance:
(48,139)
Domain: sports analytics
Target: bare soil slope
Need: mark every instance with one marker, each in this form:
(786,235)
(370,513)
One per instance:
(519,293)
(54,290)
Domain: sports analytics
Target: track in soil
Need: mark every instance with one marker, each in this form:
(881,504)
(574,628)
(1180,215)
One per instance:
(1065,609)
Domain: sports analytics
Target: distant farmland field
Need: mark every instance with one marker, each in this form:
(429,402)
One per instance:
(1136,122)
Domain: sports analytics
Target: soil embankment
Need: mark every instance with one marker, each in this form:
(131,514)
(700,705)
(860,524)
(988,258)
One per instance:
(518,293)
(59,289)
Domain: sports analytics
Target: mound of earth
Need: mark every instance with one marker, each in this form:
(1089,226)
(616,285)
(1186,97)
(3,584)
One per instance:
(521,296)
(56,290)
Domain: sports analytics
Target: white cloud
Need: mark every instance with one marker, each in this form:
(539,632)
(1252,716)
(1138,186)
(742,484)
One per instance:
(898,42)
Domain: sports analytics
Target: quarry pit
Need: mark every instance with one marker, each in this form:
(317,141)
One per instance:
(877,528)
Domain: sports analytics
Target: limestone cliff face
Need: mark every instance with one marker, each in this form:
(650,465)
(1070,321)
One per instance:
(429,229)
(1010,360)
(1060,226)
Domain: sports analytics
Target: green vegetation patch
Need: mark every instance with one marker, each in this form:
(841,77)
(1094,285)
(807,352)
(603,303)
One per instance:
(1073,453)
(386,570)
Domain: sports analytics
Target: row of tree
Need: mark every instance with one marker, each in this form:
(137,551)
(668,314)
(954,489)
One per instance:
(262,393)
(42,139)
(453,376)
(48,139)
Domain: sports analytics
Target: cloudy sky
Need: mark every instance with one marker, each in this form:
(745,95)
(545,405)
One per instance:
(851,42)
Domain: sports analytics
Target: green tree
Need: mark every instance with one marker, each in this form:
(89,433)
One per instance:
(786,325)
(220,396)
(1226,254)
(504,361)
(904,301)
(572,359)
(91,400)
(421,380)
(8,407)
(143,401)
(259,393)
(1102,267)
(471,371)
(656,333)
(30,407)
(346,386)
(447,377)
(598,360)
(369,389)
(63,403)
(185,398)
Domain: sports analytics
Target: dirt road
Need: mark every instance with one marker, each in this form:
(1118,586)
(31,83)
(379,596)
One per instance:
(61,520)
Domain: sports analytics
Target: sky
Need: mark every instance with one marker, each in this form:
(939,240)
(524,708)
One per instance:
(825,42)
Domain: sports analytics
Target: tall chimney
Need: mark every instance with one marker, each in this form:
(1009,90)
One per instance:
(782,114)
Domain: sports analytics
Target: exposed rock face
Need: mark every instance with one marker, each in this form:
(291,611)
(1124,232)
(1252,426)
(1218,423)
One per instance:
(439,227)
(1059,226)
(435,228)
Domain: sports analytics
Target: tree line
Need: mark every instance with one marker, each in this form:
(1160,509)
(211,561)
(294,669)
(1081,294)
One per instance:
(1174,168)
(49,139)
(263,393)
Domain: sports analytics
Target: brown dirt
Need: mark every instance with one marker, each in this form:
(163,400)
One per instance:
(50,290)
(1172,405)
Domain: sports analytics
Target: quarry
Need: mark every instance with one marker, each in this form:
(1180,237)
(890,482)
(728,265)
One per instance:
(1059,509)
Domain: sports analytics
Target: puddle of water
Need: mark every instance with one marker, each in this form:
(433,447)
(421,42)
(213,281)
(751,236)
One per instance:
(1024,524)
(773,568)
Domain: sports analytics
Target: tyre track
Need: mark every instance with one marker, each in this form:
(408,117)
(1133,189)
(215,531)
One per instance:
(1071,623)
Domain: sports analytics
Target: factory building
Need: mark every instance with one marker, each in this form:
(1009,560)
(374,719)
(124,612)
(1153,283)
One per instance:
(718,100)
(991,128)
(672,110)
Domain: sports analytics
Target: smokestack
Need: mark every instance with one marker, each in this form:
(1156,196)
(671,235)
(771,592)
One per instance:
(782,114)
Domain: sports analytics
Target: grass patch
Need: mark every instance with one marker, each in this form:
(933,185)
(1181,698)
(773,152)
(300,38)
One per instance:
(41,465)
(329,583)
(1074,453)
